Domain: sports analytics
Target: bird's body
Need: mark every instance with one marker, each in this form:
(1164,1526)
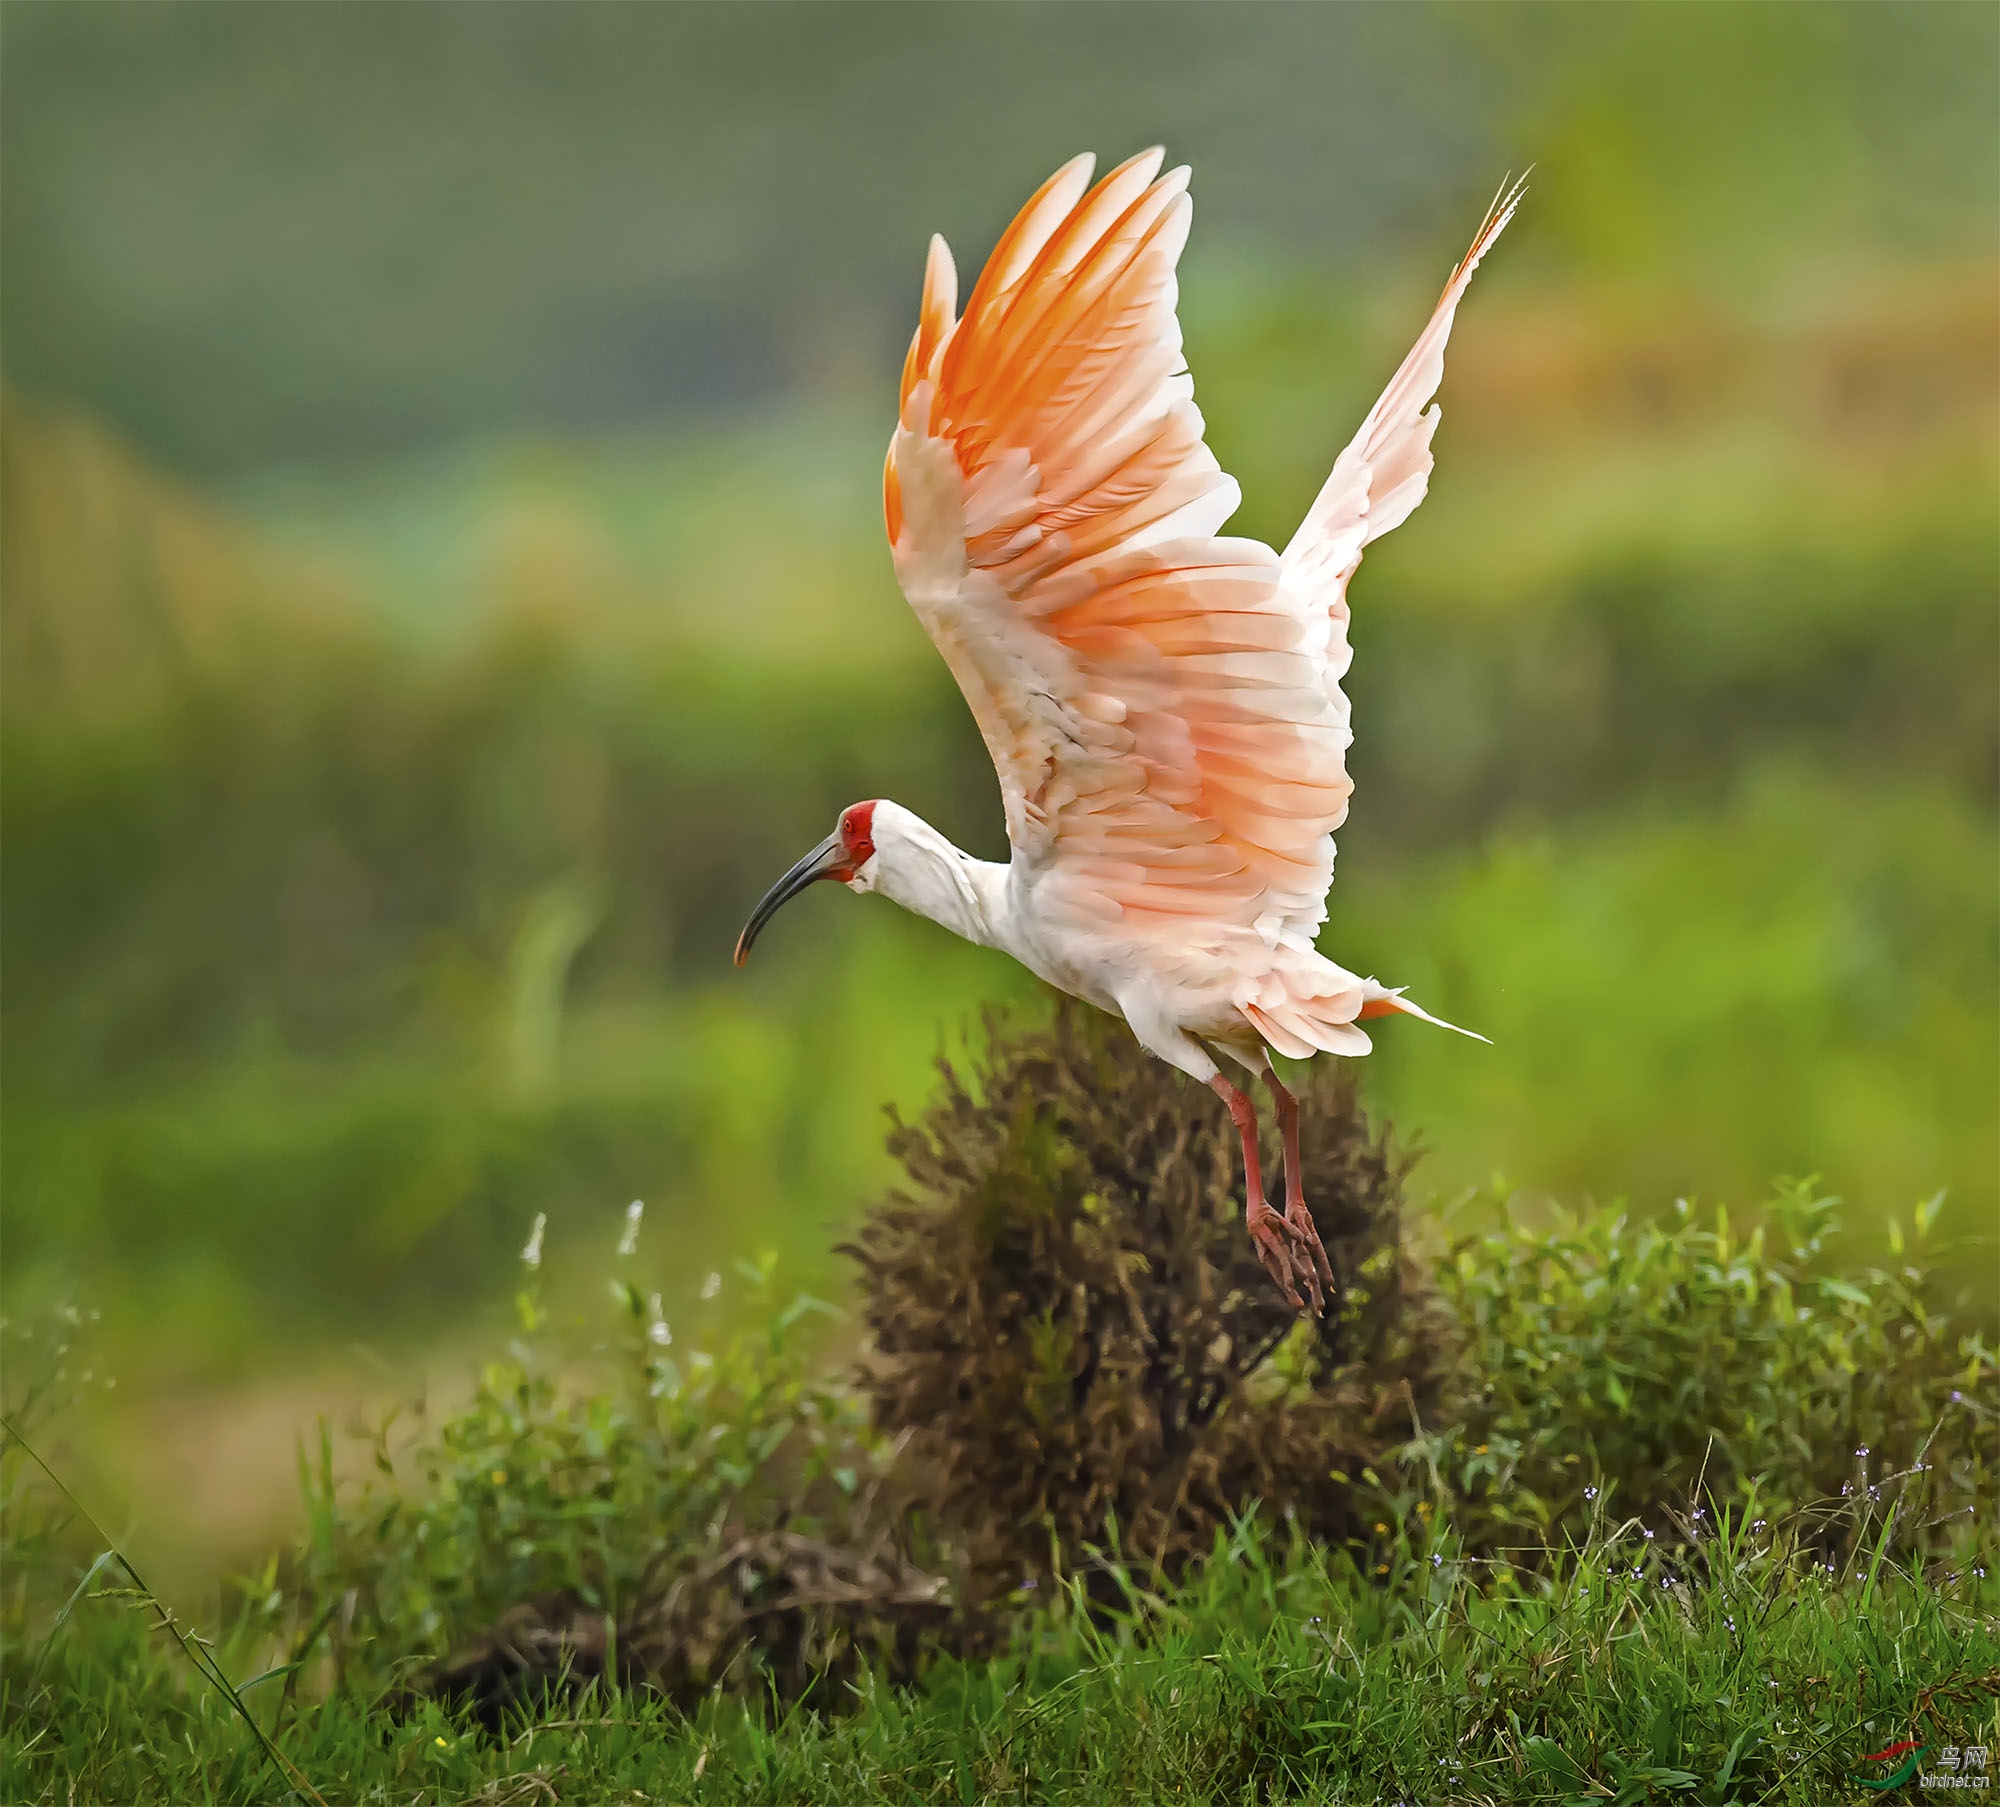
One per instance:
(1162,704)
(1197,977)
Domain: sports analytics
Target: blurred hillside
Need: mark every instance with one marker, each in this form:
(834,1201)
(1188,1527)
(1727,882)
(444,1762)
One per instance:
(252,234)
(1677,735)
(443,584)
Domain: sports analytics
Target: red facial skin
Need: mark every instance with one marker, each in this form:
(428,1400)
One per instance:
(857,831)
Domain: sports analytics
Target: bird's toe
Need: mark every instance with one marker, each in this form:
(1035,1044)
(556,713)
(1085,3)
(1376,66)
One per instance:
(1307,1232)
(1287,1256)
(1272,1237)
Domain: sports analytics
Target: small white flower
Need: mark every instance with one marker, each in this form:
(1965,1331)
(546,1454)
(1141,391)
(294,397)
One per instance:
(711,1286)
(656,1324)
(629,1242)
(531,1256)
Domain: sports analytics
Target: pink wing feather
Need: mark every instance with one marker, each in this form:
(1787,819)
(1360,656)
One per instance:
(1162,705)
(1385,470)
(1152,695)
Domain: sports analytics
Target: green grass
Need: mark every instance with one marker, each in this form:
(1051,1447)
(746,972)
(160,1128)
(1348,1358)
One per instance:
(1617,1569)
(1744,1676)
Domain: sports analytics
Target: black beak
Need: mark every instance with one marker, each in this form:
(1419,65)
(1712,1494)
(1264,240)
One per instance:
(824,860)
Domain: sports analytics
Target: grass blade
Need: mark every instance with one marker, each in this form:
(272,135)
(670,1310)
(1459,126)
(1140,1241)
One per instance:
(204,1662)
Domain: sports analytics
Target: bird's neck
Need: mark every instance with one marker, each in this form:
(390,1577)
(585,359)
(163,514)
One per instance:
(920,869)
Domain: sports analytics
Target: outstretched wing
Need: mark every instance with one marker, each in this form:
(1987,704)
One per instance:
(1385,471)
(1154,697)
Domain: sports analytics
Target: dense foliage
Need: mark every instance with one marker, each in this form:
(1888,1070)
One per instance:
(1085,1452)
(1069,1352)
(702,1500)
(1652,1364)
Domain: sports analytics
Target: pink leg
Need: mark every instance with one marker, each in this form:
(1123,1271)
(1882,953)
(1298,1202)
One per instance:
(1269,1232)
(1296,1213)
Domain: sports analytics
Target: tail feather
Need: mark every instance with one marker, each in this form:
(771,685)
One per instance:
(1393,1003)
(1321,1012)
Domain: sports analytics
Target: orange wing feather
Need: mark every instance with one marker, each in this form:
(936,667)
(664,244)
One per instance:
(1153,696)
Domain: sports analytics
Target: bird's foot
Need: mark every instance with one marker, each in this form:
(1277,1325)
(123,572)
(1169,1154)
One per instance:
(1302,1225)
(1286,1256)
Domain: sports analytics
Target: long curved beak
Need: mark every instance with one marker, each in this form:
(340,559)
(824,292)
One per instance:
(823,862)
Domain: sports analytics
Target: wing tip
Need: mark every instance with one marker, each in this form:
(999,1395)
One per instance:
(937,311)
(1038,220)
(1083,164)
(1150,159)
(1506,198)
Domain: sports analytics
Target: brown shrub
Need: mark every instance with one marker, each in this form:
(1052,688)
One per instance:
(1072,1339)
(787,1614)
(1070,1327)
(779,1614)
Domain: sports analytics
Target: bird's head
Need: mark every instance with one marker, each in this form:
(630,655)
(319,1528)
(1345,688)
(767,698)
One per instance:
(848,854)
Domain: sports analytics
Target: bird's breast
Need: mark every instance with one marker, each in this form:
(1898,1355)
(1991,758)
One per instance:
(1189,980)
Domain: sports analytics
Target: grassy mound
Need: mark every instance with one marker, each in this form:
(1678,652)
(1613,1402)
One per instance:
(1613,1498)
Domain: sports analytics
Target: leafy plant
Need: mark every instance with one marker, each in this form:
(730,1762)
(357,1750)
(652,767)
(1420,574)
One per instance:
(608,1500)
(1077,1374)
(1668,1364)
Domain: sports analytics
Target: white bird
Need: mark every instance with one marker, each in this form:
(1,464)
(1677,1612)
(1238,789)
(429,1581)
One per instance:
(1162,704)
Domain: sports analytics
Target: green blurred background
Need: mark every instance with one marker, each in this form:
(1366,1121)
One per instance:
(444,582)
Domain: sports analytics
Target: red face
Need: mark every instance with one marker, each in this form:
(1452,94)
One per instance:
(857,836)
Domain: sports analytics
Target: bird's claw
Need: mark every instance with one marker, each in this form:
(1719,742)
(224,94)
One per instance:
(1301,1222)
(1289,1257)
